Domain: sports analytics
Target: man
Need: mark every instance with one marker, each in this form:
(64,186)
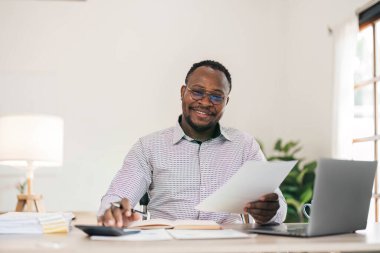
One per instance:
(182,165)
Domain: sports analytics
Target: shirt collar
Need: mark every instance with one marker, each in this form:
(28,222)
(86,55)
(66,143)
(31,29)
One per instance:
(179,133)
(224,133)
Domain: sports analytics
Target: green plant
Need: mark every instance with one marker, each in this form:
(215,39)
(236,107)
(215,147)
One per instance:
(298,185)
(21,186)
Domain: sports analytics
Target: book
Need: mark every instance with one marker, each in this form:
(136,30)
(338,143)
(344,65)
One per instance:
(177,224)
(35,223)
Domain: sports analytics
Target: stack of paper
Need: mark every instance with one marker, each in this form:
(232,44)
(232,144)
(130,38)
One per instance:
(35,223)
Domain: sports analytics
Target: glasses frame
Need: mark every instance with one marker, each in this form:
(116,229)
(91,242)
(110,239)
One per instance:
(208,95)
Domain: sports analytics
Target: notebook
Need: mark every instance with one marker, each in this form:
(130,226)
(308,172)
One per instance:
(342,194)
(177,224)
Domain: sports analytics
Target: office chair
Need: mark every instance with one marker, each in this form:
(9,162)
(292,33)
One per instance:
(245,218)
(144,201)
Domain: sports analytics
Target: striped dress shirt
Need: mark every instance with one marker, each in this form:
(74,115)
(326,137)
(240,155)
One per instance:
(178,173)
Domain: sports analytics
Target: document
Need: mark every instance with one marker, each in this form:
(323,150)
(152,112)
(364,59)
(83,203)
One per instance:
(251,181)
(144,235)
(177,224)
(163,234)
(207,234)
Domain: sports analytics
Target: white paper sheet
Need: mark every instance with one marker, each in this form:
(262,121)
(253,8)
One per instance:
(144,235)
(170,234)
(253,179)
(206,234)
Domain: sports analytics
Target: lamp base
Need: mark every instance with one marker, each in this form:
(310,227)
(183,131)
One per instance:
(33,203)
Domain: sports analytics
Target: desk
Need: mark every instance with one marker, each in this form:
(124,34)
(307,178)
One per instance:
(77,241)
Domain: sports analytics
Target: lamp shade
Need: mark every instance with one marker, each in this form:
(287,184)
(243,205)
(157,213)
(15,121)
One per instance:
(31,138)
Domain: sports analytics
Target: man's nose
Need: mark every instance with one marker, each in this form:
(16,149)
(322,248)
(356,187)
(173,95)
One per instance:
(206,100)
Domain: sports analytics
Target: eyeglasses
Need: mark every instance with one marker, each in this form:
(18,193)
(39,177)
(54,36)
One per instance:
(200,94)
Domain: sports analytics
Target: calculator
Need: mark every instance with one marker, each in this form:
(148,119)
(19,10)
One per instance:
(106,231)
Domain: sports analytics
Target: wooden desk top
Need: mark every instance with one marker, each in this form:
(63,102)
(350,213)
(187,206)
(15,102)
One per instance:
(77,241)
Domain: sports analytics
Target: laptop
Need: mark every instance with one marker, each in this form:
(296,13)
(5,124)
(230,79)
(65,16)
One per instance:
(342,194)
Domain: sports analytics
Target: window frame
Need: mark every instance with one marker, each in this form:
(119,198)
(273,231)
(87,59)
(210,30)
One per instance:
(374,80)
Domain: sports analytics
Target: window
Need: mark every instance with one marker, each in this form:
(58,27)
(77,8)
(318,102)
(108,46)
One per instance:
(366,139)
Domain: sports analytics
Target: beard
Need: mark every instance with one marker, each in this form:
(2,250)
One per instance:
(198,128)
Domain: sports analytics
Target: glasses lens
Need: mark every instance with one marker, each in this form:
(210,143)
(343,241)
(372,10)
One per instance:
(200,94)
(216,99)
(197,94)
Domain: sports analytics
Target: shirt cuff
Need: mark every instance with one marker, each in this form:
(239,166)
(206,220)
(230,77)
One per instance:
(106,203)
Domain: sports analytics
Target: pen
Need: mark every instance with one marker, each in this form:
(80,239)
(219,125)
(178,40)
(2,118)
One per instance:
(118,205)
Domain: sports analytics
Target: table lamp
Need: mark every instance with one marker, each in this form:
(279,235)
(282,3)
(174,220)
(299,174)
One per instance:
(31,141)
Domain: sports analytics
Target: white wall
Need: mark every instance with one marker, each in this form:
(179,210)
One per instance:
(113,69)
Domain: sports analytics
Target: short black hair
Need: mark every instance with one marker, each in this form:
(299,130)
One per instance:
(212,64)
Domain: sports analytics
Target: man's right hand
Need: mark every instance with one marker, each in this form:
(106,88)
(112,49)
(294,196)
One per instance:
(118,217)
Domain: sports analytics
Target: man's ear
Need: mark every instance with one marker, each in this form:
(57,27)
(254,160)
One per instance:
(228,99)
(183,89)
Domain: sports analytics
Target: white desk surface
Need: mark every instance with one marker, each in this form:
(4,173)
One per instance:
(77,241)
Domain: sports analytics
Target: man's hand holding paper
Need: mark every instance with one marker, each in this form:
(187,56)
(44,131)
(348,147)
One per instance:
(264,209)
(251,190)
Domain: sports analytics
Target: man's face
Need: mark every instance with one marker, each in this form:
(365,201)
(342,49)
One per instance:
(203,114)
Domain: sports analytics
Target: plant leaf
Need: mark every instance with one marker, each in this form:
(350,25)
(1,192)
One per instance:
(294,203)
(310,166)
(296,151)
(292,215)
(306,196)
(277,146)
(290,145)
(301,176)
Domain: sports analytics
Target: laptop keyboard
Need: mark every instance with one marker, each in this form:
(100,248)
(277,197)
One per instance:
(297,231)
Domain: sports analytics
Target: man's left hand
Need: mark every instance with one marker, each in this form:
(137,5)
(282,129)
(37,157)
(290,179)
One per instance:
(264,209)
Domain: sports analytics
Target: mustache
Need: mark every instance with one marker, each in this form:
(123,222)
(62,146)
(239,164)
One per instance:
(203,109)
